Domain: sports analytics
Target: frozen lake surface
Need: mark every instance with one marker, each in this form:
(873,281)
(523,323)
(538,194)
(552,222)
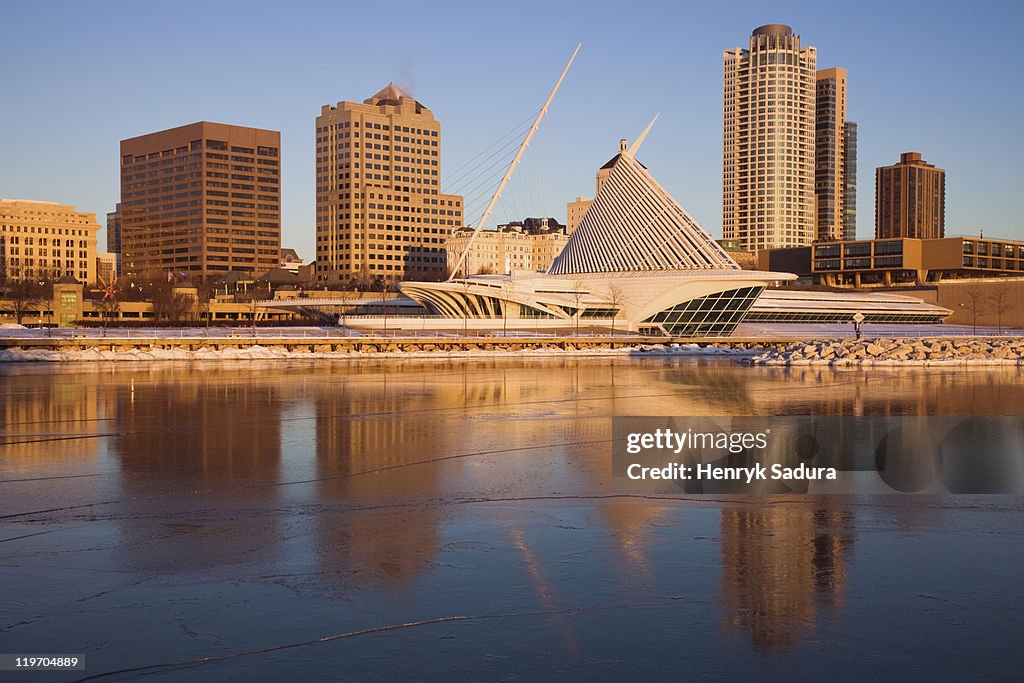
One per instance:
(455,519)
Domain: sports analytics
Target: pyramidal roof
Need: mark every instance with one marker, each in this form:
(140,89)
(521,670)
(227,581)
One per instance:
(390,94)
(635,225)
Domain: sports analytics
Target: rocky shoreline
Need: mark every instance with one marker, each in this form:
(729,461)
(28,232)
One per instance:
(903,351)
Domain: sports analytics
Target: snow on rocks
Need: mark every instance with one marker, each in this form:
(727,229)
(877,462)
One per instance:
(323,351)
(905,351)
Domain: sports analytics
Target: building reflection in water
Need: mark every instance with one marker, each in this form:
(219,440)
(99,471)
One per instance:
(195,451)
(52,419)
(390,445)
(373,427)
(219,430)
(782,565)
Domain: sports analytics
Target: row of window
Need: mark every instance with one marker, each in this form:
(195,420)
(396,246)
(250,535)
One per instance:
(983,249)
(376,126)
(197,145)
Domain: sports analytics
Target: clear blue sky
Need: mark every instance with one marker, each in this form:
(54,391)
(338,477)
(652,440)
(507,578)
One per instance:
(942,78)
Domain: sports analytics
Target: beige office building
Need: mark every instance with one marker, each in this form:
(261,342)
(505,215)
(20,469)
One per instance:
(768,134)
(910,199)
(531,245)
(379,209)
(574,212)
(830,154)
(200,200)
(47,240)
(106,267)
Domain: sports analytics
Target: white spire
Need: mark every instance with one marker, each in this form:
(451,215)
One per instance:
(640,140)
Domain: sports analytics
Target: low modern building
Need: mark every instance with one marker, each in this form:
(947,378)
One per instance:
(68,306)
(639,260)
(899,262)
(801,306)
(46,240)
(796,260)
(529,245)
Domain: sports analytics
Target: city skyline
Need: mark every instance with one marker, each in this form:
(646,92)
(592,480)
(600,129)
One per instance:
(672,66)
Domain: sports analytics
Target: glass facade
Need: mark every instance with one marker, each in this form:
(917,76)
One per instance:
(715,315)
(834,316)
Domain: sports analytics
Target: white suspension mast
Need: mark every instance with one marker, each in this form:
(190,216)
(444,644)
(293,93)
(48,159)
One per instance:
(511,167)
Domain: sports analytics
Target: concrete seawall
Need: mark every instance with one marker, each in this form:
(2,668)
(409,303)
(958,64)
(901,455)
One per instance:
(760,350)
(369,344)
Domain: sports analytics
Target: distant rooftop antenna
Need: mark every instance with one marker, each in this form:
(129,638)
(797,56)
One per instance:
(511,167)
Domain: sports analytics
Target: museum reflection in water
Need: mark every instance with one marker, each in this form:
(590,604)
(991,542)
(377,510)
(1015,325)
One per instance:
(388,445)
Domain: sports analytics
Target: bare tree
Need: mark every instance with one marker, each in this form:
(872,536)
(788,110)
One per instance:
(388,284)
(362,280)
(578,299)
(168,305)
(1000,298)
(26,294)
(616,301)
(253,294)
(157,287)
(347,296)
(975,299)
(205,294)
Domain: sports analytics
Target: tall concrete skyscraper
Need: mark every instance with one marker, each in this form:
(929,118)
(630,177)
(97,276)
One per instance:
(830,154)
(910,199)
(202,200)
(850,205)
(768,137)
(379,209)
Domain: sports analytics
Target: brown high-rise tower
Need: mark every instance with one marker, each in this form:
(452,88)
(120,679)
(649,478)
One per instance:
(910,199)
(202,200)
(830,154)
(379,210)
